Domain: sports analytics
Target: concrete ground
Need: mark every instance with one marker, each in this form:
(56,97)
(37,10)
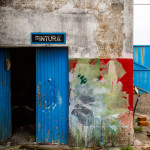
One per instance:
(142,134)
(143,106)
(142,109)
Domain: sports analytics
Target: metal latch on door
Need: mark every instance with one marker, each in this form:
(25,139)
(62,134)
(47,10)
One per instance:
(8,64)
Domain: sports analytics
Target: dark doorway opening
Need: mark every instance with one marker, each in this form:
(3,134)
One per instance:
(23,94)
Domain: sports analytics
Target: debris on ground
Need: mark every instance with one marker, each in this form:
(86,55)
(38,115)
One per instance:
(142,132)
(148,133)
(10,147)
(146,147)
(142,121)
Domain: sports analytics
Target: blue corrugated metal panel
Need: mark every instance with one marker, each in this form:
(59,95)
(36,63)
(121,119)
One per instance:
(5,102)
(52,95)
(138,67)
(142,81)
(141,56)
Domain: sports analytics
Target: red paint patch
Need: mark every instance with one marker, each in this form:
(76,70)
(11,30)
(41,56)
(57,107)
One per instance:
(72,64)
(126,118)
(100,77)
(127,79)
(92,62)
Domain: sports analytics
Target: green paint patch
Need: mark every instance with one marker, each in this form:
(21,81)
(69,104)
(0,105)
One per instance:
(82,78)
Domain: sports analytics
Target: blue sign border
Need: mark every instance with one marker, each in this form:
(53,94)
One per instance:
(47,33)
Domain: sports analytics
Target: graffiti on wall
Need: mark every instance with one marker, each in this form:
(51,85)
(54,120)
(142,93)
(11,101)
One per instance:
(99,100)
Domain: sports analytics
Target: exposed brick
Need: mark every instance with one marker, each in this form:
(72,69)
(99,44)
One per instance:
(143,123)
(146,147)
(142,118)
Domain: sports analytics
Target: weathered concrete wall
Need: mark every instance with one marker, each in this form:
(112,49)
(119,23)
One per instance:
(99,28)
(101,99)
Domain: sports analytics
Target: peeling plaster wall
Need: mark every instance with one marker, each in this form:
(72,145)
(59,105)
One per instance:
(99,28)
(99,37)
(101,102)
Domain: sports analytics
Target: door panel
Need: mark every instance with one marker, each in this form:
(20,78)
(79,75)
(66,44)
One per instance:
(5,93)
(52,99)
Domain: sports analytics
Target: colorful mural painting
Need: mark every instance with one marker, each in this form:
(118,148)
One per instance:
(101,102)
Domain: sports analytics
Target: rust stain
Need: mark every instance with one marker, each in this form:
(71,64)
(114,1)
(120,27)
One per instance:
(38,91)
(38,94)
(109,28)
(103,26)
(3,81)
(119,54)
(39,125)
(47,136)
(112,45)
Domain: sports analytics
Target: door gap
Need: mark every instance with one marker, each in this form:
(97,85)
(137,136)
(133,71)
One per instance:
(23,94)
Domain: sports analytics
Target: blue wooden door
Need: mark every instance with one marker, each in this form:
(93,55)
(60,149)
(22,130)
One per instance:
(52,99)
(5,92)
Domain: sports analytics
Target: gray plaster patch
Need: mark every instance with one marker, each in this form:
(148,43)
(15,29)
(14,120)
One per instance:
(102,7)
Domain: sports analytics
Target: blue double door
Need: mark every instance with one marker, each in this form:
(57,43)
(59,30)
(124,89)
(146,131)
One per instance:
(52,95)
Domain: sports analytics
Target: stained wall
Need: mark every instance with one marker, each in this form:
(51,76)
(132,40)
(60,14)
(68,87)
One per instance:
(99,38)
(101,102)
(99,28)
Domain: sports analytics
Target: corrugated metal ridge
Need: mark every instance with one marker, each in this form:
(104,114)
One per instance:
(141,66)
(52,102)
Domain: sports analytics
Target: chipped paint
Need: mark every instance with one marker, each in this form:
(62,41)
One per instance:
(100,89)
(52,95)
(97,104)
(3,81)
